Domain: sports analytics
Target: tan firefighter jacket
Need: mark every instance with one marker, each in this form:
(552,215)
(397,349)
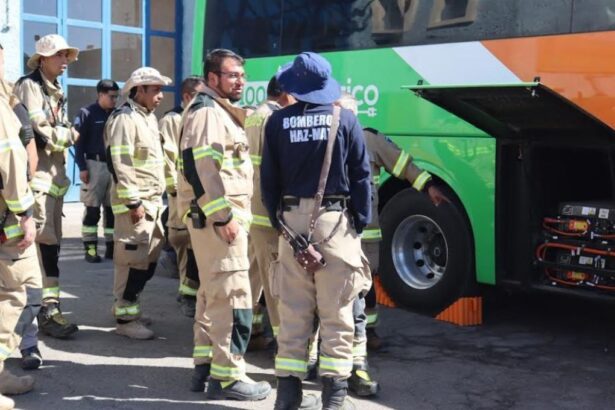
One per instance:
(134,154)
(15,194)
(384,153)
(170,127)
(47,109)
(215,165)
(255,132)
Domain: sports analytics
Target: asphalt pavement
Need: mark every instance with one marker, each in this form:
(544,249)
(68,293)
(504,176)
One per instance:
(533,352)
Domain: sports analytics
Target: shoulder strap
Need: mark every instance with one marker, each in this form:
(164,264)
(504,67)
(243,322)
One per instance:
(324,172)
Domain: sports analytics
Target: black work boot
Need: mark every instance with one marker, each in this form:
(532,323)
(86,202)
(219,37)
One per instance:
(52,322)
(91,253)
(334,392)
(187,304)
(237,390)
(290,396)
(199,377)
(360,382)
(31,358)
(109,250)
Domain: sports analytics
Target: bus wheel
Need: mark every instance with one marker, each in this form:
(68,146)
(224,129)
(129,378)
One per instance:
(426,253)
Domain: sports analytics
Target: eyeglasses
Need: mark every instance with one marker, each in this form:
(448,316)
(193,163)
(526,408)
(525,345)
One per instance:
(234,76)
(113,96)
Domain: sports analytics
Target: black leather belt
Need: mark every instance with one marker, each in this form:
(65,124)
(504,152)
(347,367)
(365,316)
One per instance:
(96,157)
(331,202)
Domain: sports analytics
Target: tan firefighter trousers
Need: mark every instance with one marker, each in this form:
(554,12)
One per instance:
(223,317)
(329,294)
(136,251)
(263,250)
(20,299)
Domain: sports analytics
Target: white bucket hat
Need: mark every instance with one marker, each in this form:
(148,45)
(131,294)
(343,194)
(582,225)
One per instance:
(145,76)
(49,45)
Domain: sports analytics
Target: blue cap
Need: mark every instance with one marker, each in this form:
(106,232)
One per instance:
(308,78)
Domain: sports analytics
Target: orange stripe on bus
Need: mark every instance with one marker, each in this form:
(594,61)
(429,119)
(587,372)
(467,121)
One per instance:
(581,67)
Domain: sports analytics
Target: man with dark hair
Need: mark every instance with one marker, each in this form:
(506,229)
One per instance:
(135,159)
(95,178)
(215,187)
(263,246)
(179,239)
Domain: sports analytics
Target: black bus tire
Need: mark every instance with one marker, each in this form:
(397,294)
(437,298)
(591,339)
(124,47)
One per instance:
(426,243)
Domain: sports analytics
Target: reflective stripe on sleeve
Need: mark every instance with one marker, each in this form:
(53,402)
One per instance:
(38,184)
(202,152)
(214,206)
(22,204)
(108,231)
(400,164)
(243,217)
(9,144)
(421,180)
(36,114)
(119,209)
(291,365)
(120,150)
(13,231)
(127,193)
(256,160)
(232,163)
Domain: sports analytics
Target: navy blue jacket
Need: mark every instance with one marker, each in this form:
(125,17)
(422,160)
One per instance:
(293,153)
(90,123)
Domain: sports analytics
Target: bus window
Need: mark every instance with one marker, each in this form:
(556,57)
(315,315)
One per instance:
(390,18)
(593,15)
(452,12)
(324,25)
(249,27)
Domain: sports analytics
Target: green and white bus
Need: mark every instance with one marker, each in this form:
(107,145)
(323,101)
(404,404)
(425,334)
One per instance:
(507,103)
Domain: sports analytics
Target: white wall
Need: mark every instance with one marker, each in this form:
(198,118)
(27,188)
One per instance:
(10,28)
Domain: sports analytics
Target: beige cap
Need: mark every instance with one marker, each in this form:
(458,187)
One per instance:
(49,45)
(145,76)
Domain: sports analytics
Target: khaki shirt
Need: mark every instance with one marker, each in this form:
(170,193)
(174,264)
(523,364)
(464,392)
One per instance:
(134,150)
(170,127)
(47,110)
(384,153)
(255,132)
(15,194)
(215,166)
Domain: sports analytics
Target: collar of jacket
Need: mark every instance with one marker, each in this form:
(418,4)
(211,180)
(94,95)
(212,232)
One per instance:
(138,107)
(238,114)
(52,87)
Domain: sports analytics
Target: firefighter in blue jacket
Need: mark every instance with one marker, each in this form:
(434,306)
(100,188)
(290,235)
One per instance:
(293,154)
